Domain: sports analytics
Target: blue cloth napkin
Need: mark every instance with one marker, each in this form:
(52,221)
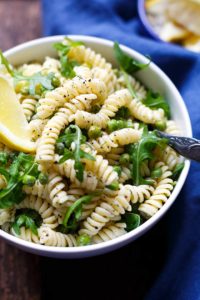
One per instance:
(178,274)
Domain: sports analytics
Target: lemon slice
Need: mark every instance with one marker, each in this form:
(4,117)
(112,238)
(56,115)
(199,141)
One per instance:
(14,129)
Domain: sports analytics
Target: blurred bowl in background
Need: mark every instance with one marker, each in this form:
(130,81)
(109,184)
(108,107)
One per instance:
(145,21)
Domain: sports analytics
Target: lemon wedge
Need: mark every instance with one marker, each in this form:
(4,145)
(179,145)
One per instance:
(14,129)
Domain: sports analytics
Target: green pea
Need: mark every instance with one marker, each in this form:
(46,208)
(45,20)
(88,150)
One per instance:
(83,240)
(156,173)
(124,159)
(60,148)
(161,125)
(121,124)
(22,87)
(113,186)
(39,89)
(117,169)
(29,180)
(94,132)
(43,178)
(112,125)
(55,81)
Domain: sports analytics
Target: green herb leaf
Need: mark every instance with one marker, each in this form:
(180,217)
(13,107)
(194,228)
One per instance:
(177,171)
(4,158)
(86,155)
(74,135)
(132,221)
(143,150)
(67,65)
(37,79)
(64,47)
(5,62)
(155,101)
(28,218)
(74,212)
(22,165)
(76,206)
(67,155)
(127,63)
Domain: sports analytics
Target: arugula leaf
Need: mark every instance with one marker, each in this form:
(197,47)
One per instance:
(132,221)
(22,165)
(67,66)
(5,62)
(4,158)
(74,135)
(127,63)
(63,48)
(155,100)
(67,155)
(29,218)
(177,171)
(74,212)
(143,150)
(37,79)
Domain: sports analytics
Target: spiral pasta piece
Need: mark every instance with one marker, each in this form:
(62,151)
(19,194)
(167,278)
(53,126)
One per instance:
(30,69)
(49,237)
(109,78)
(109,108)
(51,65)
(160,195)
(144,113)
(46,148)
(101,169)
(36,127)
(125,175)
(26,234)
(168,156)
(6,215)
(109,232)
(120,137)
(42,207)
(37,190)
(67,169)
(172,128)
(114,155)
(29,106)
(70,89)
(88,56)
(57,190)
(138,88)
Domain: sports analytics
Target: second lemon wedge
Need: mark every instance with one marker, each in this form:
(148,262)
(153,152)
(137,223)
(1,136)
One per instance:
(14,131)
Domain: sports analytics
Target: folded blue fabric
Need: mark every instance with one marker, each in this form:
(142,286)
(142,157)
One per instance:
(179,277)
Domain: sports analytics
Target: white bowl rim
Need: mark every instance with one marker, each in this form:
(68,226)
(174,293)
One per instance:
(104,247)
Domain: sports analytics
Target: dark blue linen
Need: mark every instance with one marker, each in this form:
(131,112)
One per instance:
(179,270)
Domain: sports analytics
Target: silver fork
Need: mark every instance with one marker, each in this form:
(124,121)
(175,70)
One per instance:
(185,146)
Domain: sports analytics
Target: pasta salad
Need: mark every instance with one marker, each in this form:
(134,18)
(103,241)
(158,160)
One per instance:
(99,170)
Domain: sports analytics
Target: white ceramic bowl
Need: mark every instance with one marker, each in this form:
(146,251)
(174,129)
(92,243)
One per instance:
(152,77)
